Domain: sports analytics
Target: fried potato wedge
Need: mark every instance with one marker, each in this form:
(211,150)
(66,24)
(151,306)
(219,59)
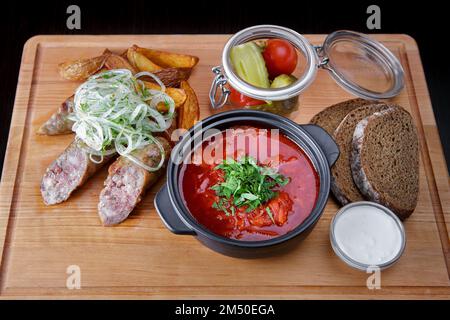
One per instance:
(82,69)
(171,77)
(115,61)
(178,95)
(189,112)
(169,59)
(141,62)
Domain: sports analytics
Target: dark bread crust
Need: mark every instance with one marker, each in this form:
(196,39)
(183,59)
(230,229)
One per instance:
(330,118)
(342,184)
(385,160)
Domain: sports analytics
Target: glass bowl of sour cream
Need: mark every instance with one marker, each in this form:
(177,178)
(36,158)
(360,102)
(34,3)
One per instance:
(366,235)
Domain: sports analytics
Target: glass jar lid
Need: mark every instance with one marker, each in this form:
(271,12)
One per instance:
(361,65)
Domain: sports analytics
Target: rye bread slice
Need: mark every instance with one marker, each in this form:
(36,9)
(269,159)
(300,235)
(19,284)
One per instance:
(330,118)
(342,185)
(385,160)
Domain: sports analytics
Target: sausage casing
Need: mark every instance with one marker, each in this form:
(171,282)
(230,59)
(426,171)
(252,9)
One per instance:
(127,183)
(59,123)
(67,173)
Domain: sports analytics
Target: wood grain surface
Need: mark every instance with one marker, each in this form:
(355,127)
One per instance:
(140,258)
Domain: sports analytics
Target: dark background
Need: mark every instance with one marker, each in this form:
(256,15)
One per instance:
(427,22)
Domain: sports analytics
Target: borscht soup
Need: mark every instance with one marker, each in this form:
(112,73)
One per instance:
(249,183)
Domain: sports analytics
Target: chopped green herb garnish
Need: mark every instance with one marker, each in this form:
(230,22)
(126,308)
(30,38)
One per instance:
(246,184)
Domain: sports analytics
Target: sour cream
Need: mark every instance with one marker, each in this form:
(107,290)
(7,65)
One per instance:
(367,233)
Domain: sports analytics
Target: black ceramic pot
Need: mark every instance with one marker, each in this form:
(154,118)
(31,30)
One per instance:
(315,142)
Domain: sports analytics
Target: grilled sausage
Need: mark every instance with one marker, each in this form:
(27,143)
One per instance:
(127,183)
(67,173)
(59,122)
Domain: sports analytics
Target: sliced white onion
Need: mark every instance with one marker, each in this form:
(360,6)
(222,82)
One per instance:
(114,112)
(158,81)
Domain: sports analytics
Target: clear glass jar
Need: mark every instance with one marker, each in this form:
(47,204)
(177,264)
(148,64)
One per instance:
(359,64)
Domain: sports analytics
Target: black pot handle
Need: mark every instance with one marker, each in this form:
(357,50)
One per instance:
(325,141)
(168,214)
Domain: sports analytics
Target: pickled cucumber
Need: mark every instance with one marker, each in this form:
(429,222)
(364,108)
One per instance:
(283,80)
(249,64)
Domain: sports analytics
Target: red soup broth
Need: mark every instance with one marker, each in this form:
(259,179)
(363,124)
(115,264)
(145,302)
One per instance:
(289,208)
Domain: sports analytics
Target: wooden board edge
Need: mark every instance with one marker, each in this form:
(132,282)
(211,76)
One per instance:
(434,160)
(15,139)
(123,40)
(408,41)
(244,293)
(435,149)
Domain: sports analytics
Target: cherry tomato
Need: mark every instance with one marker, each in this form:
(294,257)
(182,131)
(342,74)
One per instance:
(280,57)
(240,100)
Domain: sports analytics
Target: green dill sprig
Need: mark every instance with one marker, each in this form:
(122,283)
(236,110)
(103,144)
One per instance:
(246,184)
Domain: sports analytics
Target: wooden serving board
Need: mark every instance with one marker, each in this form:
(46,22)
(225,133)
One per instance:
(141,258)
